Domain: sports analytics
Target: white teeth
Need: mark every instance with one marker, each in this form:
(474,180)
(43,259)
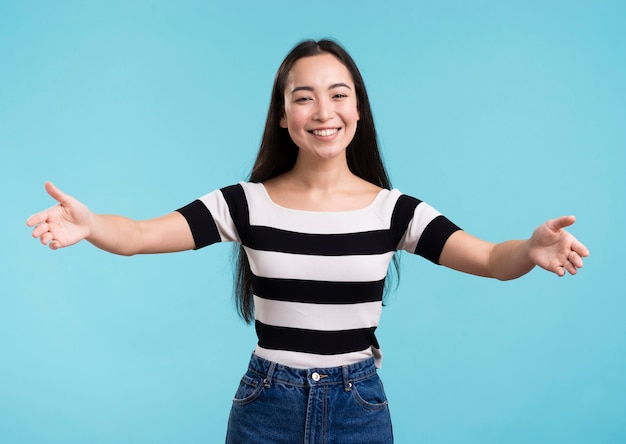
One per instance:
(325,132)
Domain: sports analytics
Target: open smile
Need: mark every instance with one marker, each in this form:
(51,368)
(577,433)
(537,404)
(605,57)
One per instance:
(325,132)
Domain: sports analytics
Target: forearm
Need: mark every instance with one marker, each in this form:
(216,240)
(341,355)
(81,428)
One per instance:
(114,234)
(510,260)
(504,261)
(125,236)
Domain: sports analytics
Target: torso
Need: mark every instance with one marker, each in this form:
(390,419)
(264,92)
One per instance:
(318,276)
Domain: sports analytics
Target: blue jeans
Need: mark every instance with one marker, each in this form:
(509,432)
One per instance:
(278,404)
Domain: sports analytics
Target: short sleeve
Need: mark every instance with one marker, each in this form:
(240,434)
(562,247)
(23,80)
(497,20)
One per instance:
(427,230)
(209,219)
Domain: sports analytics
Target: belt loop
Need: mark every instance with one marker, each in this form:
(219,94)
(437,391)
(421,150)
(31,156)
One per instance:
(347,383)
(267,382)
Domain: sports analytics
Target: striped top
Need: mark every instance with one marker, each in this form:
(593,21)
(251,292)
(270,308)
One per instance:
(318,277)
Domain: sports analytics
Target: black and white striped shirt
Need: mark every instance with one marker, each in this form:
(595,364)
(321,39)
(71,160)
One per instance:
(318,276)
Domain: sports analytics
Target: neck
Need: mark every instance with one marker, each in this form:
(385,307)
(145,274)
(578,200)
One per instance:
(322,174)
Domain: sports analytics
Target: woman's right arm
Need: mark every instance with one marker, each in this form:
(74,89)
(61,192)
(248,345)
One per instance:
(70,221)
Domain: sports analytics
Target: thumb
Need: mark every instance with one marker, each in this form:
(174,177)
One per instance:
(561,222)
(56,193)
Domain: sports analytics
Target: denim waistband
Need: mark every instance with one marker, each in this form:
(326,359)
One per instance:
(310,377)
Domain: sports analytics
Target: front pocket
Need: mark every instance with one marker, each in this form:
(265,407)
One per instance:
(369,393)
(248,390)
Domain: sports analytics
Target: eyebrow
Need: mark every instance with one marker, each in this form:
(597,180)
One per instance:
(310,88)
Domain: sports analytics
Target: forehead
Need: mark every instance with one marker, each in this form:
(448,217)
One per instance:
(319,70)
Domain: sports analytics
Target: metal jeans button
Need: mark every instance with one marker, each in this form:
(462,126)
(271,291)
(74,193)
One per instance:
(315,376)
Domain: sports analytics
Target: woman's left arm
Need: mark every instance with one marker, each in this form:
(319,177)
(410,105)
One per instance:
(550,247)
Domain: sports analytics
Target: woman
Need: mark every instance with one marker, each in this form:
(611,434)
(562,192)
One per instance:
(318,225)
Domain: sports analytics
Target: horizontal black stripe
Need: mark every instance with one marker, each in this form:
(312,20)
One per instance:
(201,223)
(314,341)
(434,238)
(273,239)
(317,292)
(337,244)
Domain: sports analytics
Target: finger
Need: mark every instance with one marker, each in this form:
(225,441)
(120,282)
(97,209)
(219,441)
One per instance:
(575,259)
(40,229)
(56,193)
(570,267)
(559,270)
(36,219)
(45,238)
(580,249)
(561,222)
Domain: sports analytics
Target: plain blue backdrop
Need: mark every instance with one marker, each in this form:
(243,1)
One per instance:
(500,114)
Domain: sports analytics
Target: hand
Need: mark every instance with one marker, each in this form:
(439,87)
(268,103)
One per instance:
(556,250)
(61,225)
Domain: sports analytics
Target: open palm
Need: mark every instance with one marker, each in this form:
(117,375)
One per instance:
(61,225)
(556,250)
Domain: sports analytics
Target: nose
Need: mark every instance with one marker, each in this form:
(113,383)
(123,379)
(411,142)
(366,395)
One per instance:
(324,111)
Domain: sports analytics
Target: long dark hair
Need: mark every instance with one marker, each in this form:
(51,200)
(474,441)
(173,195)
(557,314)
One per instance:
(278,152)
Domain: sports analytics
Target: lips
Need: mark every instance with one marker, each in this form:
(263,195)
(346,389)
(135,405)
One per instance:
(324,132)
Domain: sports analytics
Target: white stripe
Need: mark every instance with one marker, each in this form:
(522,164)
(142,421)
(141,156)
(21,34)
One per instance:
(309,360)
(323,317)
(422,216)
(357,268)
(218,207)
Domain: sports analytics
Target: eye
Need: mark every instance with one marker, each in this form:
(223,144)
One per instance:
(340,96)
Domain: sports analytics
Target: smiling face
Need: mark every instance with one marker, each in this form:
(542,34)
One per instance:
(321,110)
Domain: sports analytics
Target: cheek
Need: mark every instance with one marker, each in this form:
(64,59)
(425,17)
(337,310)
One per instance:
(350,111)
(294,120)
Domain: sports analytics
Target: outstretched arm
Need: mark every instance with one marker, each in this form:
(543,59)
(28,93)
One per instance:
(70,221)
(550,247)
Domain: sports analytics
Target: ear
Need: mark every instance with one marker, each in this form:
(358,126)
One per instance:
(283,121)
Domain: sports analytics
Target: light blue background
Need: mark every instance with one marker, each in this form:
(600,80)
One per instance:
(501,114)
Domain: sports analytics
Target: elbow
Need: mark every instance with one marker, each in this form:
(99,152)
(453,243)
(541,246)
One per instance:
(512,274)
(117,250)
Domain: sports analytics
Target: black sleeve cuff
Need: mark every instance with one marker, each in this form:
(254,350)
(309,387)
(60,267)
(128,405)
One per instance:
(434,238)
(201,223)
